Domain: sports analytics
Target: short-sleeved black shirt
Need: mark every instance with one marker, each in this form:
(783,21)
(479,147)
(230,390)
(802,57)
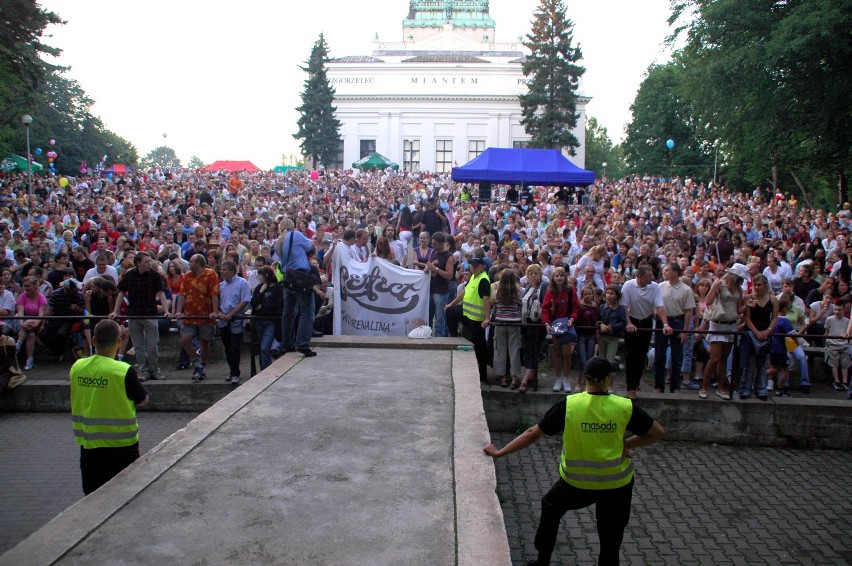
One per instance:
(141,290)
(553,422)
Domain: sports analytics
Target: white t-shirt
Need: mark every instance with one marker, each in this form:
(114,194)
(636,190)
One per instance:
(641,301)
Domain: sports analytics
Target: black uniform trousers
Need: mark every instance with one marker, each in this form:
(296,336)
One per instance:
(477,335)
(612,509)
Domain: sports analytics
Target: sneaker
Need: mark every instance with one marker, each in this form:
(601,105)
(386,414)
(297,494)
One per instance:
(557,385)
(566,387)
(29,365)
(836,385)
(157,377)
(18,346)
(235,380)
(770,385)
(691,385)
(198,374)
(844,387)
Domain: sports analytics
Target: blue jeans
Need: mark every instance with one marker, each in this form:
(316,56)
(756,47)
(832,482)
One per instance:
(265,333)
(754,368)
(302,335)
(804,373)
(585,348)
(439,301)
(661,342)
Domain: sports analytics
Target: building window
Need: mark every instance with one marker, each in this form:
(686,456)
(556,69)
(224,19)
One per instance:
(474,148)
(367,147)
(520,143)
(443,156)
(411,155)
(338,159)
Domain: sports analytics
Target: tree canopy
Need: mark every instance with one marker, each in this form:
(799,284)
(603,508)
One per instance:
(319,128)
(770,81)
(550,107)
(60,108)
(163,157)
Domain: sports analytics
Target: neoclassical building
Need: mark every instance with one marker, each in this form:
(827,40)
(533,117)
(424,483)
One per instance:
(440,96)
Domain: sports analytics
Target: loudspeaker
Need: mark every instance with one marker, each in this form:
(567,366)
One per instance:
(484,192)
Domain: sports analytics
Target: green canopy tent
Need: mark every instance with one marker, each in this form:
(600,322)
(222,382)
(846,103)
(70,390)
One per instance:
(285,168)
(12,163)
(375,161)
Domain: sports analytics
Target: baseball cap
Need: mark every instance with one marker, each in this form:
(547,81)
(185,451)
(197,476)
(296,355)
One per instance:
(598,368)
(476,261)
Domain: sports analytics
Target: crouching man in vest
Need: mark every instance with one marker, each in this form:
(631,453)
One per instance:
(596,464)
(104,397)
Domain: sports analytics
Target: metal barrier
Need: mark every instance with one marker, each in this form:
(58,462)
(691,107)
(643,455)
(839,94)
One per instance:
(120,318)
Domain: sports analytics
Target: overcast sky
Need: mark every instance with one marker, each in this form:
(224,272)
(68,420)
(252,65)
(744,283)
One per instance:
(222,79)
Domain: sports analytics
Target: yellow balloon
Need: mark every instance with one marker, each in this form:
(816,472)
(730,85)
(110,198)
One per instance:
(63,182)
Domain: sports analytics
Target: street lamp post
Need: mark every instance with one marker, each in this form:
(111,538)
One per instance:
(715,160)
(27,120)
(604,168)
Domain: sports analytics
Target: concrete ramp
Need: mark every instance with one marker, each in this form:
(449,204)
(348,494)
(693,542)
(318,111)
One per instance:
(361,455)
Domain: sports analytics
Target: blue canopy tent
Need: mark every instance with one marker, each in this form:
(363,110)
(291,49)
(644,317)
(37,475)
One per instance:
(523,165)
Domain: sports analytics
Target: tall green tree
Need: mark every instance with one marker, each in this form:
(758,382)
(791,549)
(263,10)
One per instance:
(319,129)
(600,150)
(22,25)
(553,75)
(162,156)
(660,113)
(773,80)
(195,163)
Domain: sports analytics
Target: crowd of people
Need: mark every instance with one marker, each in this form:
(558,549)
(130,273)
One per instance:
(641,258)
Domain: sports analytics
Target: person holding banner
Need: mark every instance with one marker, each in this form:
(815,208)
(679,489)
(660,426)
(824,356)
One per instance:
(476,304)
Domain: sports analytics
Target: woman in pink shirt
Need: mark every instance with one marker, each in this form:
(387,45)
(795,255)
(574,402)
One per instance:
(30,303)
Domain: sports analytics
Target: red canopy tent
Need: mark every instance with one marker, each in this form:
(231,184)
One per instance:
(232,166)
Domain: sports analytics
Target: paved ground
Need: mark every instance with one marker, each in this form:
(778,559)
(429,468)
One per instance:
(697,504)
(40,467)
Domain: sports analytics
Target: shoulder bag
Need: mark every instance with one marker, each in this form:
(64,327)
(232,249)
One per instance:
(295,279)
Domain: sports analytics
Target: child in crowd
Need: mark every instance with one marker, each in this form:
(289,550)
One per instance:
(837,349)
(613,321)
(778,362)
(586,323)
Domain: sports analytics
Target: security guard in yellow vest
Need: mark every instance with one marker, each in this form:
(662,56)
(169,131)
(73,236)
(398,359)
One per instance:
(104,397)
(596,464)
(476,311)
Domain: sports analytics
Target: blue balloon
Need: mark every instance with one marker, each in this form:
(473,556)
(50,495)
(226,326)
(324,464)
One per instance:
(38,151)
(109,176)
(670,144)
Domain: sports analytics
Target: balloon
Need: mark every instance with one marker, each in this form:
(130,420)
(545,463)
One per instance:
(314,175)
(109,176)
(50,159)
(670,144)
(38,151)
(52,141)
(84,170)
(63,182)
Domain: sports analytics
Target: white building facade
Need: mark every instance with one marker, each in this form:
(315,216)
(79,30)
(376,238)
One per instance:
(440,97)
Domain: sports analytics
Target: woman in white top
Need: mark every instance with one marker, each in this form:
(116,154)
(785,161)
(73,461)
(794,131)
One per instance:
(595,257)
(727,290)
(773,273)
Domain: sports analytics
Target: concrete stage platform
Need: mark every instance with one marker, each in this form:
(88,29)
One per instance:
(368,454)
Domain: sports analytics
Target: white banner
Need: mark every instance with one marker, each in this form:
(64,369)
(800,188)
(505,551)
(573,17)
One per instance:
(377,298)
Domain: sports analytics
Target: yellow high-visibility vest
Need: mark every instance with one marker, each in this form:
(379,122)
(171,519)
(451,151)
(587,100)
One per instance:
(593,442)
(101,413)
(473,306)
